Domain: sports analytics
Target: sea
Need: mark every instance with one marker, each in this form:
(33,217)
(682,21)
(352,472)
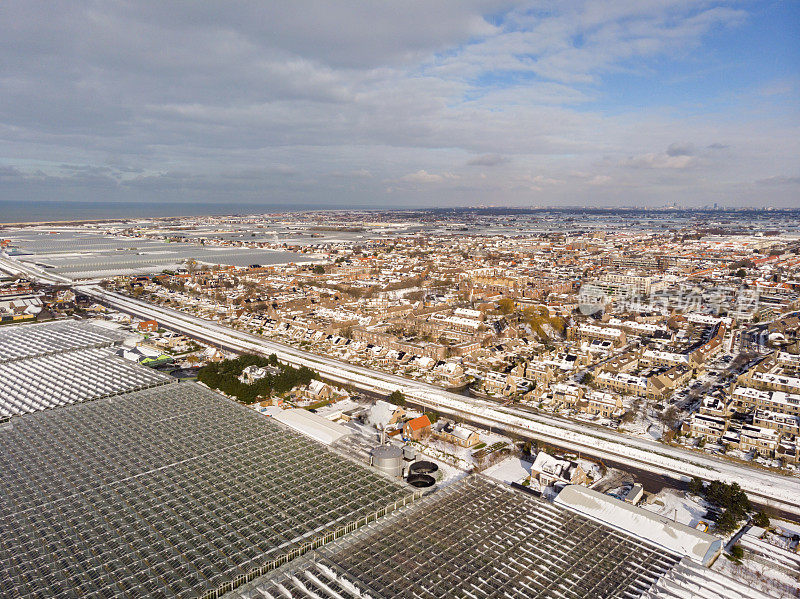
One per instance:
(50,211)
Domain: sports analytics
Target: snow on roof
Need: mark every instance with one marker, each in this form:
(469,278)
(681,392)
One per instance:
(659,530)
(548,464)
(688,580)
(314,426)
(461,432)
(316,387)
(467,313)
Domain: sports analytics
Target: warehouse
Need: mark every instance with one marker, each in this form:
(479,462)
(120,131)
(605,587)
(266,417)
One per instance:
(311,425)
(673,536)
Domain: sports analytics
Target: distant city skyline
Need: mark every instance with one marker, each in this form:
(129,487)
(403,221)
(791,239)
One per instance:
(394,105)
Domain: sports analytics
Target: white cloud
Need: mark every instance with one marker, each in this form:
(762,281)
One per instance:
(664,160)
(423,176)
(337,101)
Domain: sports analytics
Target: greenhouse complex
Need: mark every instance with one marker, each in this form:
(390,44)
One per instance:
(44,366)
(478,538)
(173,491)
(116,482)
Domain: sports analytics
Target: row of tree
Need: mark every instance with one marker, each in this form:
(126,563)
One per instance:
(731,499)
(224,376)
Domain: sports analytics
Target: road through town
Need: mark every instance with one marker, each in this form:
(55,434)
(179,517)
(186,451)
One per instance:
(770,488)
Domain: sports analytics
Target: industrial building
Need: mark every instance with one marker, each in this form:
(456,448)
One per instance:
(475,538)
(673,536)
(170,492)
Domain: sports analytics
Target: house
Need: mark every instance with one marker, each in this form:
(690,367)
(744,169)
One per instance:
(494,382)
(450,371)
(417,428)
(711,428)
(148,326)
(384,414)
(763,441)
(212,354)
(318,391)
(252,373)
(549,470)
(567,395)
(635,494)
(604,404)
(458,435)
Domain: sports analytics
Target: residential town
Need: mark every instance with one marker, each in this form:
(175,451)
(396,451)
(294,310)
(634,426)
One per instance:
(669,333)
(689,338)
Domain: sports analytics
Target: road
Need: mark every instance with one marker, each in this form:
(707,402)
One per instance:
(769,488)
(774,489)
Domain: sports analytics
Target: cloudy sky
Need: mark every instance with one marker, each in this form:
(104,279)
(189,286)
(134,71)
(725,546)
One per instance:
(402,103)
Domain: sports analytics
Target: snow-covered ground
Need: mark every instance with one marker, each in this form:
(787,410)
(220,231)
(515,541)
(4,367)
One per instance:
(459,457)
(678,506)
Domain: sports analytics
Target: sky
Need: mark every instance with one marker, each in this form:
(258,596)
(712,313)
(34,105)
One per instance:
(413,103)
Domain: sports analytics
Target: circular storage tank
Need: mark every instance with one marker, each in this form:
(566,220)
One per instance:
(409,453)
(423,468)
(388,459)
(420,480)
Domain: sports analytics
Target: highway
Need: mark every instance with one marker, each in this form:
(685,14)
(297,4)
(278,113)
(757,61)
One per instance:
(772,489)
(769,488)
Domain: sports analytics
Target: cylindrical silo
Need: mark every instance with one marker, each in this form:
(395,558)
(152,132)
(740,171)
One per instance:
(389,459)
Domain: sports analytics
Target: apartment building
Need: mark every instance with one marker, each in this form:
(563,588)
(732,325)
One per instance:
(789,362)
(641,285)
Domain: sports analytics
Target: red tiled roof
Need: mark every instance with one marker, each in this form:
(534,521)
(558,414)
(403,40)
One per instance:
(419,423)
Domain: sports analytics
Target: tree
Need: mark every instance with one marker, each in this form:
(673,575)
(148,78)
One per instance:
(726,522)
(696,486)
(737,552)
(319,269)
(670,417)
(506,305)
(761,519)
(397,398)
